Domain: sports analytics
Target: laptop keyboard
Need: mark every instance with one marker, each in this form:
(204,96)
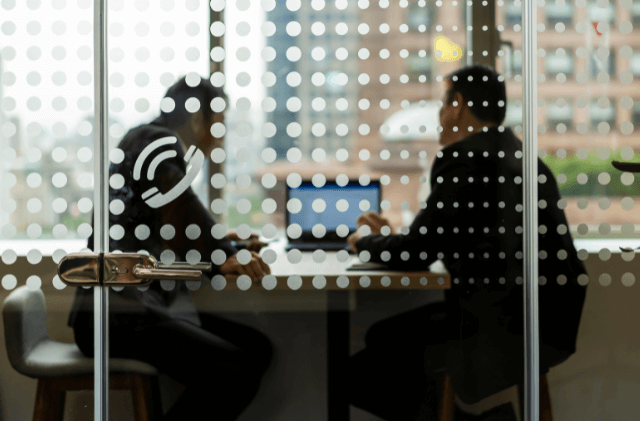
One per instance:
(327,246)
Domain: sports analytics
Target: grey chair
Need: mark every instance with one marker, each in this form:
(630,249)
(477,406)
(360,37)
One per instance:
(61,367)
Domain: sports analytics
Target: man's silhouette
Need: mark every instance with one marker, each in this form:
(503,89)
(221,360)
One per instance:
(473,222)
(220,362)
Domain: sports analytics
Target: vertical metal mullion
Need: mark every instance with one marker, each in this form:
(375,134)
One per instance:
(100,215)
(530,201)
(469,32)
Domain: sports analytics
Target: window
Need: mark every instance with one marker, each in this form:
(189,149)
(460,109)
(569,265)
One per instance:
(635,14)
(559,13)
(517,62)
(634,63)
(514,113)
(421,16)
(559,111)
(602,115)
(635,116)
(559,61)
(597,65)
(512,13)
(601,14)
(419,67)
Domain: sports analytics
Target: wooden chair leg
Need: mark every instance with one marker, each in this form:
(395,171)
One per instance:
(447,406)
(141,393)
(49,403)
(545,400)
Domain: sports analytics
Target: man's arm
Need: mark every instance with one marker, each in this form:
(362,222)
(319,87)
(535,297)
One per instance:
(191,221)
(432,229)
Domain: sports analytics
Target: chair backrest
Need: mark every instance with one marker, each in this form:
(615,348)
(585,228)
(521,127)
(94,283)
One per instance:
(25,323)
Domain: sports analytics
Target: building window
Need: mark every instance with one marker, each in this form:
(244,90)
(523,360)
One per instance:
(596,13)
(597,65)
(635,116)
(635,14)
(559,14)
(512,13)
(419,67)
(420,16)
(560,111)
(557,62)
(514,113)
(516,62)
(599,115)
(634,63)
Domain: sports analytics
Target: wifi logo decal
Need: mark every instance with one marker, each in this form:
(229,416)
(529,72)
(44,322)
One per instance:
(194,158)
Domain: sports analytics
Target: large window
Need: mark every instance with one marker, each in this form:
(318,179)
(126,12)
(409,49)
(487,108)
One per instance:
(559,115)
(602,114)
(559,61)
(559,12)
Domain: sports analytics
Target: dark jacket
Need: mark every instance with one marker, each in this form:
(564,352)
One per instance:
(473,221)
(142,226)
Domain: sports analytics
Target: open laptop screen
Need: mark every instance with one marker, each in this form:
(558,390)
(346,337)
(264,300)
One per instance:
(331,205)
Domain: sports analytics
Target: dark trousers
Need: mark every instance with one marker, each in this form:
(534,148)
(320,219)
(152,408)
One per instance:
(396,376)
(221,363)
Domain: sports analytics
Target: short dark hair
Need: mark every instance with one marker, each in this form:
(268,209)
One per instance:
(180,92)
(480,84)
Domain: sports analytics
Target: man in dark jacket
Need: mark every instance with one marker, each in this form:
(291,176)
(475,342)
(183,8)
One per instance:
(473,222)
(154,210)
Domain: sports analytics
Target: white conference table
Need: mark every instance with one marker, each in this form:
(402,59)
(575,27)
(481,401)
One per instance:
(296,270)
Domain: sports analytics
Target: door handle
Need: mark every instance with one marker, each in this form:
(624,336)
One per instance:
(123,269)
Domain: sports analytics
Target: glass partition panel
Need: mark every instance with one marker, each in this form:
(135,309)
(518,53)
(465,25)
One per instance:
(46,202)
(598,381)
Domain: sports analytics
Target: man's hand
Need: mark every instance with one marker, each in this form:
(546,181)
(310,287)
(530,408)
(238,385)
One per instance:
(375,221)
(352,240)
(255,269)
(254,243)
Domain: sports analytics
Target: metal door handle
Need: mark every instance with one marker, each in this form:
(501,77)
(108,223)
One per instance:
(123,269)
(143,272)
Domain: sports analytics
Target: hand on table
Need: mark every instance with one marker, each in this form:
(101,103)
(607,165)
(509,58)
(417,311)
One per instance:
(254,243)
(255,269)
(375,221)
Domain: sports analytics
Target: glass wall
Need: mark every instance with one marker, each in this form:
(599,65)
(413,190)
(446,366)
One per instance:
(46,196)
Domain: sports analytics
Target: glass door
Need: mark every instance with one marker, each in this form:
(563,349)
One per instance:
(253,136)
(47,161)
(300,204)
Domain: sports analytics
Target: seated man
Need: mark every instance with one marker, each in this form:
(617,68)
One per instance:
(473,222)
(220,362)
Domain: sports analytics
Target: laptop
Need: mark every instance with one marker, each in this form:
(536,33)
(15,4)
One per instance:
(332,199)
